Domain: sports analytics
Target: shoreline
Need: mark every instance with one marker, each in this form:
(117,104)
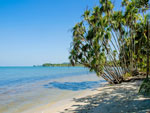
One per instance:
(63,102)
(108,99)
(42,95)
(61,105)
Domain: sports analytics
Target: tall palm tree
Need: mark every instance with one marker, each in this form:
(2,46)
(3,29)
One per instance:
(148,44)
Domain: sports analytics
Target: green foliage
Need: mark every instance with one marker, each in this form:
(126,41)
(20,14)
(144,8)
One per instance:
(127,75)
(106,38)
(145,87)
(136,47)
(59,65)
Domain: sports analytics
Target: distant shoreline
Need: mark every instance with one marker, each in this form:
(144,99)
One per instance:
(57,65)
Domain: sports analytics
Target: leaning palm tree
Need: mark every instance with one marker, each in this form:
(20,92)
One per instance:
(104,41)
(92,44)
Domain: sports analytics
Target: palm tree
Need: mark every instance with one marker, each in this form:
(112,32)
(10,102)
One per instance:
(148,31)
(105,40)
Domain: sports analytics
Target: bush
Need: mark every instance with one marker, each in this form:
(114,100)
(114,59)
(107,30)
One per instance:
(127,75)
(145,87)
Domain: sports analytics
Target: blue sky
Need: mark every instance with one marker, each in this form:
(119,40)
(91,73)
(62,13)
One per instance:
(34,32)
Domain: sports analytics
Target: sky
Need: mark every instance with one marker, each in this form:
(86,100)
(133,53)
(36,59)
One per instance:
(33,32)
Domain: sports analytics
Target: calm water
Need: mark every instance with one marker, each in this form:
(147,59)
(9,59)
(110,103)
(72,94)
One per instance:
(22,88)
(20,75)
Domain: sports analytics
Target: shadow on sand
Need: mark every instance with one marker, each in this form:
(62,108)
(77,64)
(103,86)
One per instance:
(122,98)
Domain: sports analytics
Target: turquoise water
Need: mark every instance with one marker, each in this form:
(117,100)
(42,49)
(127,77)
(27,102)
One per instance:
(25,88)
(19,75)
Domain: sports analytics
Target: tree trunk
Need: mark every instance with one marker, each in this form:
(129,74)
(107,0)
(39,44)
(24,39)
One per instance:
(147,50)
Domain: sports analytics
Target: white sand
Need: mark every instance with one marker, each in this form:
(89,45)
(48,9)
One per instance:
(120,98)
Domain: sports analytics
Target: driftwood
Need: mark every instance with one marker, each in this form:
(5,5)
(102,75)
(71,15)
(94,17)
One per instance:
(132,79)
(142,73)
(136,73)
(136,76)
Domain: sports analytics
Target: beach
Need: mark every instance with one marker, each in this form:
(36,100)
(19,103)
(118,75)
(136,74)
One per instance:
(121,98)
(66,91)
(75,56)
(33,88)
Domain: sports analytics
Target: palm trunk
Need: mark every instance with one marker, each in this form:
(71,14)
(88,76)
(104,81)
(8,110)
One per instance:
(147,50)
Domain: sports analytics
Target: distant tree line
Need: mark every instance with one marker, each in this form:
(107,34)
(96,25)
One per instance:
(59,65)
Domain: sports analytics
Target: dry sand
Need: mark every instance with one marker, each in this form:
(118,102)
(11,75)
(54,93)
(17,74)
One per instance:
(122,98)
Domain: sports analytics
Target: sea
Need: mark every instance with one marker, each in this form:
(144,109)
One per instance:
(25,88)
